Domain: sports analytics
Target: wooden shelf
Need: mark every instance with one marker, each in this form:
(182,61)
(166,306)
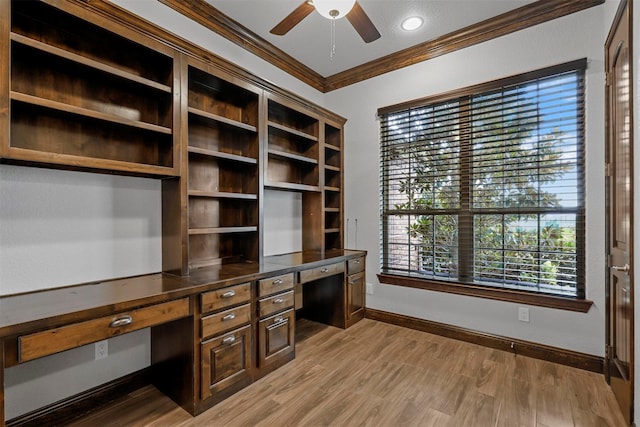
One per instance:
(331,230)
(221,155)
(293,131)
(292,186)
(222,119)
(334,189)
(332,168)
(292,156)
(222,195)
(221,230)
(18,38)
(332,210)
(331,147)
(85,112)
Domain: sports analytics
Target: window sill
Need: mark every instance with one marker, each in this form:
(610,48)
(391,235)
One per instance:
(509,295)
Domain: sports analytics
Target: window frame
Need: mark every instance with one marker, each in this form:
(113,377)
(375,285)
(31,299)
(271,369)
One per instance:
(567,302)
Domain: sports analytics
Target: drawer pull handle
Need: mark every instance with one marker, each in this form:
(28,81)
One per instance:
(229,340)
(278,282)
(279,320)
(229,316)
(278,301)
(324,270)
(357,261)
(351,282)
(229,294)
(121,321)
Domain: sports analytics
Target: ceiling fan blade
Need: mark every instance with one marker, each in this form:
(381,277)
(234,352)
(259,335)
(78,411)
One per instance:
(362,24)
(292,19)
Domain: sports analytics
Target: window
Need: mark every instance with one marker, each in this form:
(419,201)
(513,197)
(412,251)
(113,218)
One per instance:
(485,185)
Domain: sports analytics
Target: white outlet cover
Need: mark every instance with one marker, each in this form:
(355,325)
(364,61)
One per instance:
(102,349)
(523,314)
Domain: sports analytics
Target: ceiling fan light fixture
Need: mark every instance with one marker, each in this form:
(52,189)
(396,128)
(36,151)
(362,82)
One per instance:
(333,9)
(412,23)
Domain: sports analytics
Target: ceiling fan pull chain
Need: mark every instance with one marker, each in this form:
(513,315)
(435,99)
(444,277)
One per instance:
(333,38)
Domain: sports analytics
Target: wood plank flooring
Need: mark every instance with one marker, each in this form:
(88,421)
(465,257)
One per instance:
(376,374)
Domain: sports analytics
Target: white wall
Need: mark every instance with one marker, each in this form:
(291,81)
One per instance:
(572,37)
(59,228)
(282,225)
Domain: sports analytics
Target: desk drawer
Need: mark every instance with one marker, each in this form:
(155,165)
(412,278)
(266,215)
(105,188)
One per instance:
(275,284)
(225,297)
(355,265)
(225,320)
(275,303)
(44,343)
(320,272)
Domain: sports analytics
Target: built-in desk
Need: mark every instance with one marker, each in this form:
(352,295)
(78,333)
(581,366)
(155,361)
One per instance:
(199,323)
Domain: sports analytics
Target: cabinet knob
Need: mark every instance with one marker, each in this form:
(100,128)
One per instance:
(229,316)
(121,321)
(229,294)
(357,261)
(324,270)
(229,340)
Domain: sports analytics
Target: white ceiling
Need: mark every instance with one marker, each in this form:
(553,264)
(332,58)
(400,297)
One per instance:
(310,41)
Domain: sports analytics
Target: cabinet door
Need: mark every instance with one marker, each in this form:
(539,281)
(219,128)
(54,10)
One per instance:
(226,360)
(276,338)
(355,297)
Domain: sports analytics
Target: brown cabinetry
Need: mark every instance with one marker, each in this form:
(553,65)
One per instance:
(226,347)
(276,339)
(40,344)
(355,290)
(225,361)
(276,324)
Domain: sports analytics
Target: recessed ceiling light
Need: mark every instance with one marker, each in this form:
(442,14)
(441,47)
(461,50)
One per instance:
(412,23)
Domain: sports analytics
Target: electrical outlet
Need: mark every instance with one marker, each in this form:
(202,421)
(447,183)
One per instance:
(102,349)
(369,288)
(523,314)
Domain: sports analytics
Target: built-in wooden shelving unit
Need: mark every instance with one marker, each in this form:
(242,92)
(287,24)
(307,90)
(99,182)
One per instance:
(76,103)
(86,93)
(333,185)
(223,176)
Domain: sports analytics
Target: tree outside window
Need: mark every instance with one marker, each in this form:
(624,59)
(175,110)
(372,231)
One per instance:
(488,187)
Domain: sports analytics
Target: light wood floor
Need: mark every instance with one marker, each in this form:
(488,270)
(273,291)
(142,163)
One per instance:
(375,374)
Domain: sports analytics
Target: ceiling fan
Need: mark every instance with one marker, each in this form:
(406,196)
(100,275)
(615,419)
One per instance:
(331,9)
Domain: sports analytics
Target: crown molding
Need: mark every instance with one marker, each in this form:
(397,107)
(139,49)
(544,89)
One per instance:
(208,16)
(518,19)
(506,23)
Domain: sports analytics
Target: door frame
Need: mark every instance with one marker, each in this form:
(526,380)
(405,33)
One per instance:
(624,12)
